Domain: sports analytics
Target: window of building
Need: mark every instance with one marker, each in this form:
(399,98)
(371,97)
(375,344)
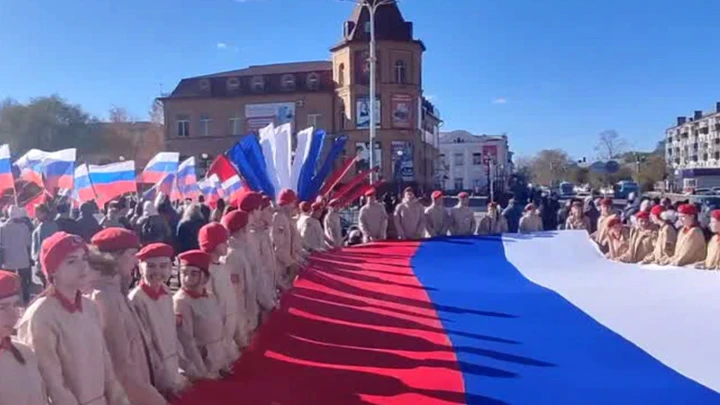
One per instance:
(183,125)
(459,183)
(233,84)
(441,157)
(367,27)
(705,156)
(341,113)
(204,84)
(717,155)
(288,82)
(459,159)
(235,126)
(205,121)
(717,141)
(313,120)
(477,159)
(313,81)
(258,84)
(477,183)
(400,72)
(341,74)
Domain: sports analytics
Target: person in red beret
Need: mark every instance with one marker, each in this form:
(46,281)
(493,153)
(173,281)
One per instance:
(462,217)
(664,247)
(691,247)
(606,213)
(493,222)
(213,240)
(642,239)
(409,217)
(199,320)
(712,258)
(577,219)
(21,382)
(113,260)
(310,228)
(437,217)
(530,221)
(373,219)
(617,239)
(152,302)
(333,226)
(242,277)
(61,326)
(286,240)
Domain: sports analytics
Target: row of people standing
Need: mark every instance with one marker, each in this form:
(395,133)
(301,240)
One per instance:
(90,339)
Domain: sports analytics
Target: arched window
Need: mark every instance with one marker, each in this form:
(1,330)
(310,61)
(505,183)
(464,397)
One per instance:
(288,82)
(258,84)
(400,72)
(233,84)
(313,81)
(341,74)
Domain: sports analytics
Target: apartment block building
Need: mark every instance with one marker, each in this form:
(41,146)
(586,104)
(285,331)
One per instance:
(692,148)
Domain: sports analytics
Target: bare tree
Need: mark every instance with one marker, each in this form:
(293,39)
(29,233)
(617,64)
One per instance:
(550,166)
(610,145)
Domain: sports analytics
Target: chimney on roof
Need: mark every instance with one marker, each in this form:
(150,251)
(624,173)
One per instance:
(681,120)
(698,114)
(717,107)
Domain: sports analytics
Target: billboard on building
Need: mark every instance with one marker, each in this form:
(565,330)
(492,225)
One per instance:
(259,116)
(362,150)
(402,107)
(403,161)
(362,112)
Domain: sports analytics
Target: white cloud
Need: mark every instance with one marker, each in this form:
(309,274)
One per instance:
(222,45)
(500,100)
(431,97)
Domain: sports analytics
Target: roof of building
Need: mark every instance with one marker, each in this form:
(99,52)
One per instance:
(461,136)
(274,69)
(389,26)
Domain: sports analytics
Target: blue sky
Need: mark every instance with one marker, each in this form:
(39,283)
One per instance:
(550,73)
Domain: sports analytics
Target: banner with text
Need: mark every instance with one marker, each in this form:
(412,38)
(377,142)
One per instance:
(258,116)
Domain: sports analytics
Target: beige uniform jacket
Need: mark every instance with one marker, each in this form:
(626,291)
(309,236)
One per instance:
(492,226)
(664,247)
(642,244)
(530,223)
(333,230)
(712,259)
(311,232)
(221,287)
(158,318)
(71,353)
(244,285)
(617,246)
(410,220)
(577,224)
(265,269)
(462,221)
(690,247)
(373,222)
(126,341)
(21,384)
(437,221)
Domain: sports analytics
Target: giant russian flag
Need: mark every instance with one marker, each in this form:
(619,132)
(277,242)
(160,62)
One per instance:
(162,164)
(6,176)
(517,319)
(112,180)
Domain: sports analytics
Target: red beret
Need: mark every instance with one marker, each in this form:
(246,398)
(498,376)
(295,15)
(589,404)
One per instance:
(657,210)
(56,248)
(408,190)
(642,215)
(266,202)
(607,202)
(286,197)
(334,202)
(212,235)
(9,284)
(196,258)
(316,206)
(530,207)
(715,214)
(154,250)
(305,206)
(436,194)
(613,222)
(463,194)
(114,239)
(370,192)
(250,202)
(687,209)
(235,221)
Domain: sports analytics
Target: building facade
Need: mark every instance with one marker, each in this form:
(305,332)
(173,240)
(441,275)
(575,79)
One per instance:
(206,115)
(469,162)
(692,148)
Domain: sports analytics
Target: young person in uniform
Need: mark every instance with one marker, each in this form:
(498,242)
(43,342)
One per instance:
(373,219)
(199,320)
(462,217)
(606,214)
(267,250)
(691,247)
(63,328)
(285,237)
(577,219)
(409,217)
(493,222)
(530,221)
(712,259)
(437,218)
(113,260)
(213,239)
(617,241)
(642,240)
(309,226)
(20,379)
(664,247)
(270,274)
(241,276)
(333,226)
(152,302)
